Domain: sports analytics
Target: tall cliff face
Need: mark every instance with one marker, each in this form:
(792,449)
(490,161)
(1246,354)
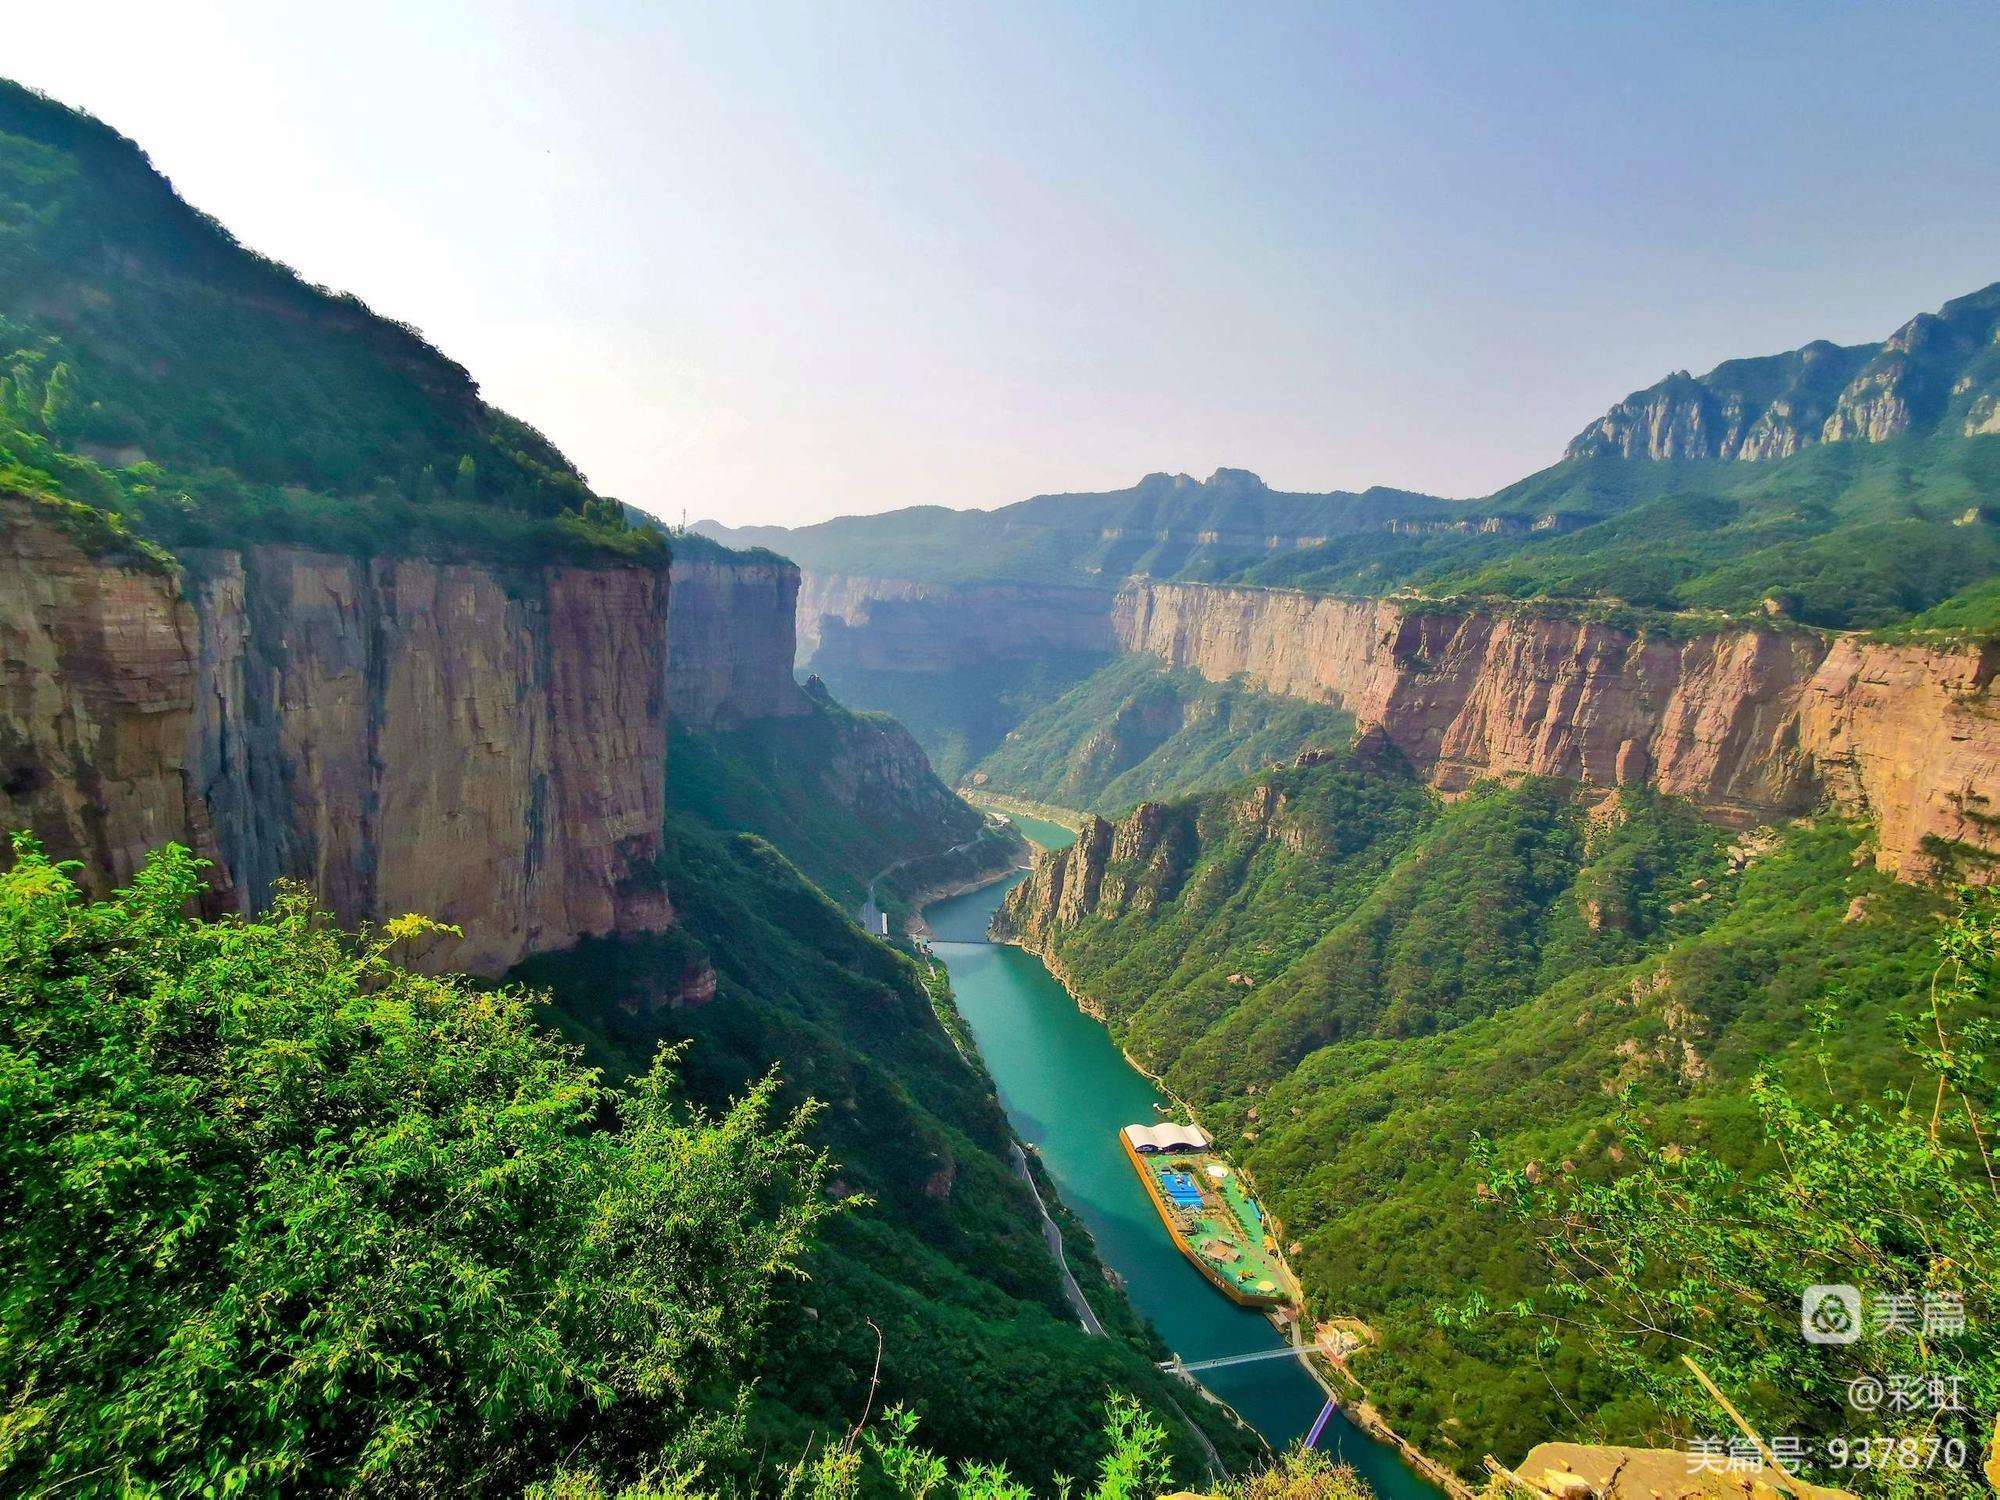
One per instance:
(1751,724)
(896,625)
(730,642)
(1938,370)
(486,746)
(97,689)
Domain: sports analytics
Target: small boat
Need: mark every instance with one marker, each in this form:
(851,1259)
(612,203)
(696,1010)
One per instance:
(1210,1213)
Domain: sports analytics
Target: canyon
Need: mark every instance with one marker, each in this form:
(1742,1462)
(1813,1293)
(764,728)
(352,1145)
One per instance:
(482,743)
(903,625)
(1750,723)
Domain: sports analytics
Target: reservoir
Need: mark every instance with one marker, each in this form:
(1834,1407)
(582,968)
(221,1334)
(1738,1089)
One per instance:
(1067,1088)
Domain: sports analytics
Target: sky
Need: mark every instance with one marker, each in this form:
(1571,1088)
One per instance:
(774,262)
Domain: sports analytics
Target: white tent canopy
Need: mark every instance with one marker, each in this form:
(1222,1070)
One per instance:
(1150,1140)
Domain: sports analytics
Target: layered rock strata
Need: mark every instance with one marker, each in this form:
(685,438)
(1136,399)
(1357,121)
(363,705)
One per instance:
(1749,723)
(483,745)
(730,642)
(896,625)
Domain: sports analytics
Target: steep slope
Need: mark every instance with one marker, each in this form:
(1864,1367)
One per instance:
(1751,723)
(847,796)
(482,743)
(1940,370)
(1138,729)
(946,1260)
(1350,978)
(187,350)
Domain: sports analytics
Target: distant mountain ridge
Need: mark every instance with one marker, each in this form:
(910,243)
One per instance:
(1165,524)
(1939,371)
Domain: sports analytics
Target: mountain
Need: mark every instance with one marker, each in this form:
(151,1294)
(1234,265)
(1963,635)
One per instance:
(1939,372)
(278,586)
(1164,524)
(1352,979)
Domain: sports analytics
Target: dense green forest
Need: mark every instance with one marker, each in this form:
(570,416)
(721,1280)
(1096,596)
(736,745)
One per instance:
(1137,728)
(341,1226)
(847,796)
(1352,980)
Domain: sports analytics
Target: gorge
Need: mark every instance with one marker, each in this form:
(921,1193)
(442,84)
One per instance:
(443,1047)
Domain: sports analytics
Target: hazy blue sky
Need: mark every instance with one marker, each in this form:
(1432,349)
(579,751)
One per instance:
(777,262)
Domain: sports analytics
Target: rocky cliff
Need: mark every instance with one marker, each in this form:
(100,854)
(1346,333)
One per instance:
(484,745)
(896,625)
(730,642)
(1750,723)
(1939,370)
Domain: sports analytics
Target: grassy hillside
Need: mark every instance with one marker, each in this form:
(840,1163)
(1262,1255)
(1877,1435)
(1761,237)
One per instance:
(1137,729)
(845,795)
(153,367)
(1847,535)
(946,1260)
(1350,978)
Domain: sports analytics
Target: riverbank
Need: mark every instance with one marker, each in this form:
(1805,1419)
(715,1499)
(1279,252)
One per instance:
(1000,802)
(1067,1089)
(1334,1378)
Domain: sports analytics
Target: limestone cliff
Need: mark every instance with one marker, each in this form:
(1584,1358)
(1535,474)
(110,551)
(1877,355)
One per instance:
(485,745)
(1750,723)
(97,690)
(1938,370)
(895,625)
(730,642)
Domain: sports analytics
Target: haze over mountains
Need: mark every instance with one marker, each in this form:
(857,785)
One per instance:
(1876,518)
(1571,821)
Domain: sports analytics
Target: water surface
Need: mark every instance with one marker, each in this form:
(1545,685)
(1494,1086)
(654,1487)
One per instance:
(1068,1089)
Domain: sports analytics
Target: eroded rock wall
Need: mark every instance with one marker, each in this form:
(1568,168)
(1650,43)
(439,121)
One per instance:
(895,625)
(486,746)
(1750,723)
(97,672)
(730,642)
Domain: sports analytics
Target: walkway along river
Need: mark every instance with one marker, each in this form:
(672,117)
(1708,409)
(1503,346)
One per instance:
(1067,1088)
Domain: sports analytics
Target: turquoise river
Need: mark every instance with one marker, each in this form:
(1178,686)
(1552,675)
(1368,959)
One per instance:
(1067,1088)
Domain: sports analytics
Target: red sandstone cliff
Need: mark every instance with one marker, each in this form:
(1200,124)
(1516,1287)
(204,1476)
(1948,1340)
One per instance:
(1751,723)
(483,745)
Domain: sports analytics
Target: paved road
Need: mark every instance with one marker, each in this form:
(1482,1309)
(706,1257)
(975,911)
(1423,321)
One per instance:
(1053,1235)
(871,914)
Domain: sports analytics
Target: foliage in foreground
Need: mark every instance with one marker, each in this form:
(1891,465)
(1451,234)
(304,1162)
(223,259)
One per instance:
(278,1214)
(1689,1254)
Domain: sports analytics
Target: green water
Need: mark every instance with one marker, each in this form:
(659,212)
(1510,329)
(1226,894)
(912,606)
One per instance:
(1068,1089)
(1042,832)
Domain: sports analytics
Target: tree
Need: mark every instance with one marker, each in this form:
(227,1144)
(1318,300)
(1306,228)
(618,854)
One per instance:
(278,1214)
(465,482)
(1685,1254)
(58,401)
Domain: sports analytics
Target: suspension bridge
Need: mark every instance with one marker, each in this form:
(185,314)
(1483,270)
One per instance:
(1195,1366)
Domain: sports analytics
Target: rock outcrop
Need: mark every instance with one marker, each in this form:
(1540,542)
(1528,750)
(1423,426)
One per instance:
(730,642)
(1749,723)
(895,625)
(484,745)
(97,692)
(1938,370)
